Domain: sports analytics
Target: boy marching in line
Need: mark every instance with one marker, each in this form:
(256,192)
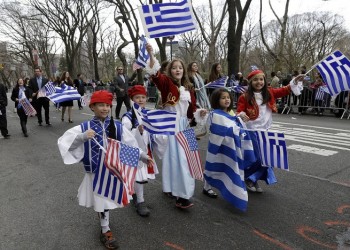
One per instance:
(83,143)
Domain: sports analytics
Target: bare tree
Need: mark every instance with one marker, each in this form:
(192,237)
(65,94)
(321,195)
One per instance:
(210,25)
(237,16)
(69,19)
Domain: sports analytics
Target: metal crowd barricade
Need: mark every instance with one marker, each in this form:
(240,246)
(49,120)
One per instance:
(310,101)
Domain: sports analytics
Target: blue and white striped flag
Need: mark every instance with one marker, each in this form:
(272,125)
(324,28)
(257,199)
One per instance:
(143,54)
(321,92)
(230,151)
(239,89)
(167,19)
(64,93)
(219,83)
(156,121)
(335,71)
(273,149)
(50,88)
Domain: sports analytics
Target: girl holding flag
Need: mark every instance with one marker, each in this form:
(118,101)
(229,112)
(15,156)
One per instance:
(21,91)
(255,107)
(176,96)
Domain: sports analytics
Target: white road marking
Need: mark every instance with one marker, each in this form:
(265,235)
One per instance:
(300,125)
(312,150)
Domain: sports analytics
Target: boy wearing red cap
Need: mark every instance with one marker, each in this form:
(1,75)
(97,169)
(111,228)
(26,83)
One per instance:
(82,143)
(138,95)
(255,107)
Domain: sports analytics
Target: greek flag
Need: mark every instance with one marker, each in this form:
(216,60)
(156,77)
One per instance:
(143,54)
(239,89)
(273,149)
(64,93)
(49,88)
(335,71)
(219,83)
(156,121)
(167,19)
(230,151)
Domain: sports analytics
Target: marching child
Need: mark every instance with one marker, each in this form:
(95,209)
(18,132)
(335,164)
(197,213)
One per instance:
(255,107)
(175,91)
(82,143)
(220,99)
(138,95)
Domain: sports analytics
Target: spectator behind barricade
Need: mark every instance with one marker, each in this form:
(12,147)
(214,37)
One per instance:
(275,81)
(305,99)
(320,98)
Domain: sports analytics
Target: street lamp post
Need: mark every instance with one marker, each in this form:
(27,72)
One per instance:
(171,38)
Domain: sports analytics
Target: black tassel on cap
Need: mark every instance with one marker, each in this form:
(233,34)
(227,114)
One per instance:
(111,129)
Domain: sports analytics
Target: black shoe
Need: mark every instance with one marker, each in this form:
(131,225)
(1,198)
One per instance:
(142,209)
(183,203)
(48,124)
(6,136)
(210,193)
(25,135)
(40,124)
(118,118)
(169,194)
(70,121)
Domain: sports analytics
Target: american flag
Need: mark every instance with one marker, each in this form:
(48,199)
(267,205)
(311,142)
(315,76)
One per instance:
(273,149)
(27,107)
(156,121)
(335,71)
(188,142)
(122,160)
(143,54)
(219,83)
(167,19)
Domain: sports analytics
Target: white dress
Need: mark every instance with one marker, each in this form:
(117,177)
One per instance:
(71,146)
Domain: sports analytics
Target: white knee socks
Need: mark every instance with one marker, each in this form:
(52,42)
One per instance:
(104,220)
(139,192)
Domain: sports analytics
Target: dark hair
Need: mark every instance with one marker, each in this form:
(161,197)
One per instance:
(63,78)
(37,67)
(78,75)
(250,92)
(215,99)
(184,80)
(164,66)
(17,85)
(214,74)
(273,73)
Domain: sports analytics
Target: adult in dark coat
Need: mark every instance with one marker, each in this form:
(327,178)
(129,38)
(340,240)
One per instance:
(39,101)
(79,85)
(17,93)
(122,83)
(3,119)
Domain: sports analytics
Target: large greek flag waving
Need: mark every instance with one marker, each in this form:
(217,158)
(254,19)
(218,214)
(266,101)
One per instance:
(335,71)
(167,19)
(230,151)
(64,93)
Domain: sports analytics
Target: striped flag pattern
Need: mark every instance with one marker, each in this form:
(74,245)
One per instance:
(143,54)
(107,185)
(122,161)
(27,107)
(335,71)
(49,88)
(230,151)
(239,89)
(167,19)
(273,149)
(156,121)
(64,93)
(187,140)
(219,83)
(320,92)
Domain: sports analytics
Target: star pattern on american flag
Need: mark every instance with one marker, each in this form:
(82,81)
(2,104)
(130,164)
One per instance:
(191,138)
(129,155)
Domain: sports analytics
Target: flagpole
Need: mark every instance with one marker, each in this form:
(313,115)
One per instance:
(102,148)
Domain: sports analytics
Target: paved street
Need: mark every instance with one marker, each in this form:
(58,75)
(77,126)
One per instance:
(309,207)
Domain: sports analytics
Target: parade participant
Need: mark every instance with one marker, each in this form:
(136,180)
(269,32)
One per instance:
(80,144)
(215,74)
(138,95)
(40,101)
(66,80)
(198,83)
(21,91)
(255,107)
(3,119)
(175,93)
(220,99)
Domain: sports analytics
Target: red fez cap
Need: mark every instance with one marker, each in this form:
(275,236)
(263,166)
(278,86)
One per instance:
(101,96)
(254,73)
(137,90)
